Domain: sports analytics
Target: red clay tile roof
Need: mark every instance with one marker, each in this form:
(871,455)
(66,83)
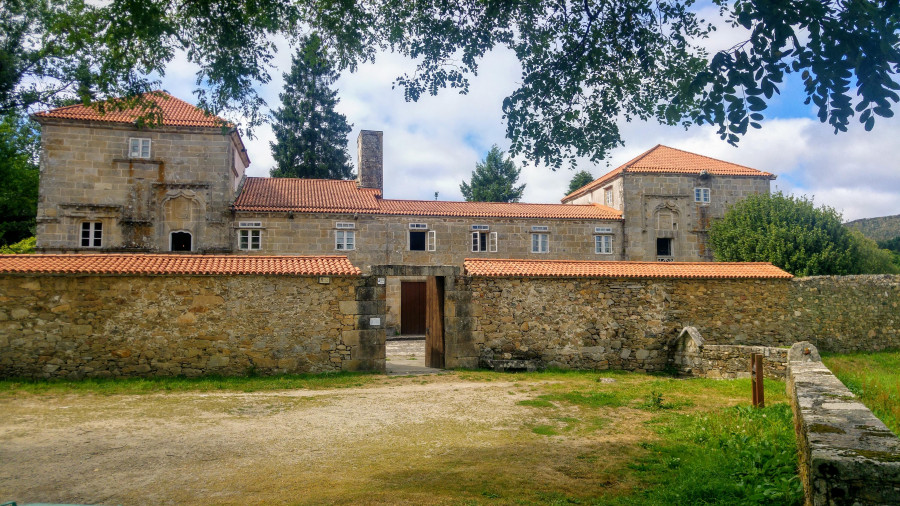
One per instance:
(323,195)
(178,264)
(666,160)
(305,195)
(175,112)
(587,269)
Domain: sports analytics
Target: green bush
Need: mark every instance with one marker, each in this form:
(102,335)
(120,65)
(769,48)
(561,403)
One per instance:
(793,234)
(24,246)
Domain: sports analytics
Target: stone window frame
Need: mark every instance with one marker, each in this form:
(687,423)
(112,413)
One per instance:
(247,243)
(540,242)
(608,196)
(94,231)
(603,244)
(345,240)
(182,231)
(139,152)
(702,195)
(430,237)
(489,242)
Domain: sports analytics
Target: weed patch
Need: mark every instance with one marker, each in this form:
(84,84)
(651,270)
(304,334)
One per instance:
(738,455)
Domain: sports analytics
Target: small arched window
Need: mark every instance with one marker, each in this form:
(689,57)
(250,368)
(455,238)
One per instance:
(180,241)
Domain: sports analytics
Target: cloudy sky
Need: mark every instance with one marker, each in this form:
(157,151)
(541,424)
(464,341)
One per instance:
(432,145)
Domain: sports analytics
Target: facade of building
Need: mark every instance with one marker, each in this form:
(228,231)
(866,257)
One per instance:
(668,198)
(109,186)
(106,185)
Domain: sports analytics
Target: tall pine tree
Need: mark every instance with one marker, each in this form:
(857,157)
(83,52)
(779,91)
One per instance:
(310,136)
(493,180)
(580,179)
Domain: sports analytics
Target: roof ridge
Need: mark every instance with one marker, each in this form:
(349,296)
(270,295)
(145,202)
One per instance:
(709,158)
(478,202)
(639,157)
(305,179)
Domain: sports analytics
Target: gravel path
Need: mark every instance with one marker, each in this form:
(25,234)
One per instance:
(239,447)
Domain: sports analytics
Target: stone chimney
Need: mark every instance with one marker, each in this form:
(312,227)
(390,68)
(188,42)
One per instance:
(371,159)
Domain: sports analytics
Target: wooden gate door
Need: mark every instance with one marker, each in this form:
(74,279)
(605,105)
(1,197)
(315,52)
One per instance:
(412,308)
(434,333)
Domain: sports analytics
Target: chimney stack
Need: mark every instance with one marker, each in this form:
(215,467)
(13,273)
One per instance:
(371,159)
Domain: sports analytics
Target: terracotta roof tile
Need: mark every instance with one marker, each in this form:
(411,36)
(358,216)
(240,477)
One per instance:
(179,264)
(587,269)
(665,160)
(324,195)
(305,195)
(175,112)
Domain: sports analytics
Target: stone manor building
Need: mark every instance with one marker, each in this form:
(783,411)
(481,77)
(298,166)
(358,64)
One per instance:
(109,186)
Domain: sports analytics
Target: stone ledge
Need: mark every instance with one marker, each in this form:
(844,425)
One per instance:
(847,455)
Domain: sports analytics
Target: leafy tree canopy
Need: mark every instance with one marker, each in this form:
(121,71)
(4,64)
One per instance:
(23,247)
(586,64)
(19,147)
(793,234)
(891,244)
(580,179)
(310,136)
(493,180)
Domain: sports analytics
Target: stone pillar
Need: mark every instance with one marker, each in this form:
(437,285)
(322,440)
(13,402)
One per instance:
(371,159)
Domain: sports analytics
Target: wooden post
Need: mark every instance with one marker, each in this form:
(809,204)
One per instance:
(757,376)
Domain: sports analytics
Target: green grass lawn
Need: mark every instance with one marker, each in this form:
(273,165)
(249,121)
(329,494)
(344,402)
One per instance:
(875,378)
(604,438)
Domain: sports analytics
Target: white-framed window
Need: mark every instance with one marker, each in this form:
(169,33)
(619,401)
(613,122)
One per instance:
(608,195)
(344,225)
(603,244)
(249,239)
(418,226)
(91,234)
(701,195)
(602,230)
(138,147)
(540,243)
(484,241)
(431,241)
(481,227)
(540,228)
(344,240)
(249,224)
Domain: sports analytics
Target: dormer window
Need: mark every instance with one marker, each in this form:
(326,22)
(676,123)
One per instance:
(139,148)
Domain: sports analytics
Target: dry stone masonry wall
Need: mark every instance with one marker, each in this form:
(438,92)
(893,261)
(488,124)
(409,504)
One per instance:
(74,326)
(847,455)
(602,323)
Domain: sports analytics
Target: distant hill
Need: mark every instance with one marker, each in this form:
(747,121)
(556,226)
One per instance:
(879,229)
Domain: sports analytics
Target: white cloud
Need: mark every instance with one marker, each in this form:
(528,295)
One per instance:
(433,144)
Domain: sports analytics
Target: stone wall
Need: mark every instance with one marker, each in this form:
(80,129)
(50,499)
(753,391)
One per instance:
(691,356)
(187,184)
(605,323)
(73,326)
(847,455)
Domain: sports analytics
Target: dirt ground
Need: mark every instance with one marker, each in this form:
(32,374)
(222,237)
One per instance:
(415,440)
